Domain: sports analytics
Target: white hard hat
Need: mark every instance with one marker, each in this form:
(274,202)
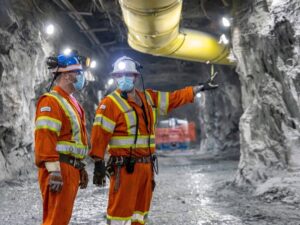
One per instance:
(125,65)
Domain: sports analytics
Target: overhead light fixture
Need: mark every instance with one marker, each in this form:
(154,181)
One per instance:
(50,29)
(67,51)
(226,22)
(93,64)
(110,81)
(223,39)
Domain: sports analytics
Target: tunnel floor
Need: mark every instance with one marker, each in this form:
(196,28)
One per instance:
(191,190)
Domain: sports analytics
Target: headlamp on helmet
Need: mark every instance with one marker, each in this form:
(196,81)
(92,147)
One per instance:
(65,63)
(126,65)
(121,65)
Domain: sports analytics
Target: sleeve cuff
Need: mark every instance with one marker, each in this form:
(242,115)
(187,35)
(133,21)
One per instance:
(191,94)
(52,166)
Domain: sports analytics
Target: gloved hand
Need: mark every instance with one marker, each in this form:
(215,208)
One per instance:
(55,181)
(84,179)
(99,173)
(208,85)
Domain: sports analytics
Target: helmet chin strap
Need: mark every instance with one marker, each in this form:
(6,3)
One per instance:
(56,75)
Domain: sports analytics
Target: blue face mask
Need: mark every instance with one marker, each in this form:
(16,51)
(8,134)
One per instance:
(125,83)
(78,85)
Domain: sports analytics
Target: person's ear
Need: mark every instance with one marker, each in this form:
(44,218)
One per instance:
(70,77)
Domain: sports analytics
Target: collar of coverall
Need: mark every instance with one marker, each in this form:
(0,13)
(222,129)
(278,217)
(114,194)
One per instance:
(137,92)
(60,91)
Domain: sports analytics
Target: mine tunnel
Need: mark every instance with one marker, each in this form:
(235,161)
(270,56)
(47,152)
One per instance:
(178,112)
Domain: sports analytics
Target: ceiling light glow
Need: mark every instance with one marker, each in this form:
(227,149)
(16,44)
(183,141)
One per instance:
(223,39)
(110,81)
(93,64)
(226,22)
(50,29)
(67,51)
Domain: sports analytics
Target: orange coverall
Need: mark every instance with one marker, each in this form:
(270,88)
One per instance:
(57,207)
(130,204)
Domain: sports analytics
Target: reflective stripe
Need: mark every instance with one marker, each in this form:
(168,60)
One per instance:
(140,217)
(105,123)
(128,141)
(76,135)
(76,150)
(68,68)
(154,112)
(46,122)
(118,220)
(75,147)
(153,107)
(129,113)
(163,102)
(149,98)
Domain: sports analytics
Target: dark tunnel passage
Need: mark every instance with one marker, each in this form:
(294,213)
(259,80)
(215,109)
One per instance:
(227,155)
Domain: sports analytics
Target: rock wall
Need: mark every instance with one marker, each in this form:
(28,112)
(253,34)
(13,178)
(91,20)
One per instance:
(22,53)
(216,113)
(220,111)
(266,43)
(24,76)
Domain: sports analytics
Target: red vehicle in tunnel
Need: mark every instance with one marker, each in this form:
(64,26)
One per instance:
(174,134)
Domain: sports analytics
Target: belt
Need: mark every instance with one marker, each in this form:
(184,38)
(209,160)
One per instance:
(77,163)
(121,160)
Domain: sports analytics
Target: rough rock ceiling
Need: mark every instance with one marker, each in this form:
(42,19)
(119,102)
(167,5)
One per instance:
(102,23)
(101,20)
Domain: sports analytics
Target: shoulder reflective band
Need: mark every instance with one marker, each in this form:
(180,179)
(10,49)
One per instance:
(154,109)
(113,220)
(76,135)
(129,113)
(46,122)
(127,141)
(105,123)
(163,103)
(77,150)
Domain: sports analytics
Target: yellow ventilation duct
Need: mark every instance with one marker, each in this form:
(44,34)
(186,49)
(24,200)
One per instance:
(153,27)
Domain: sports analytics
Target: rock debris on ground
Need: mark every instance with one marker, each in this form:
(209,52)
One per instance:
(190,190)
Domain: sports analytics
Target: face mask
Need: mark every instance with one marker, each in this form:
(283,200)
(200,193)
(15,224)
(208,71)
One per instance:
(125,83)
(78,85)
